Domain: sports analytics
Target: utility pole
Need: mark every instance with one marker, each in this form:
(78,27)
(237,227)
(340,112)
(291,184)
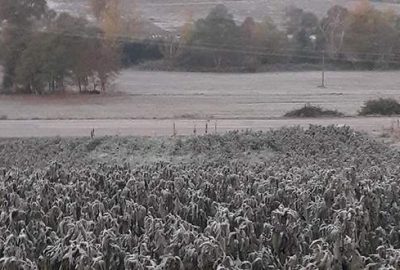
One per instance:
(174,133)
(323,70)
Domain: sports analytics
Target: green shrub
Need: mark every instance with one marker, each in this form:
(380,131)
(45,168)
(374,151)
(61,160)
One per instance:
(313,111)
(382,106)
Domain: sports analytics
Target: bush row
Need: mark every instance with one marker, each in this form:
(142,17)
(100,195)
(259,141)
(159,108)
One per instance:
(381,106)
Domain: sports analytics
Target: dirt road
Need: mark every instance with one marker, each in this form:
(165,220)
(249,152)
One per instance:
(78,128)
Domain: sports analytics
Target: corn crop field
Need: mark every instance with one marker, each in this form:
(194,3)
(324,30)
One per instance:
(292,198)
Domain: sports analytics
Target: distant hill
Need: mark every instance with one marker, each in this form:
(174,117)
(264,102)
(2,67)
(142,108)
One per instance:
(170,14)
(80,8)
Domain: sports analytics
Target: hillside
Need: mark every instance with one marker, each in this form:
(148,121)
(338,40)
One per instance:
(170,14)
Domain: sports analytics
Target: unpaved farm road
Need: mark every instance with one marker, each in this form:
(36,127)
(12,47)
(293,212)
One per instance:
(124,127)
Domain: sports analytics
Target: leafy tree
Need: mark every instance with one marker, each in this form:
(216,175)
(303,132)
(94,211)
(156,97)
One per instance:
(93,59)
(17,18)
(172,46)
(272,39)
(333,29)
(302,30)
(83,63)
(138,51)
(49,56)
(106,65)
(103,58)
(248,29)
(70,51)
(43,62)
(216,36)
(370,35)
(14,41)
(78,37)
(263,41)
(111,21)
(250,43)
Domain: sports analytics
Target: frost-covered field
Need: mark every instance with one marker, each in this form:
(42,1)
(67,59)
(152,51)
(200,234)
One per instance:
(321,198)
(377,127)
(174,95)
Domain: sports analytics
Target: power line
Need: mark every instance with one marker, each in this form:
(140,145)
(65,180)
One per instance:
(300,53)
(212,47)
(301,50)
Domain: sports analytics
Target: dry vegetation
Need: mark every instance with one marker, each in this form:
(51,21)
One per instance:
(322,198)
(309,110)
(382,106)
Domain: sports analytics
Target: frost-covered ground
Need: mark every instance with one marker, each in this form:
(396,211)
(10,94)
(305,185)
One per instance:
(375,126)
(321,198)
(174,95)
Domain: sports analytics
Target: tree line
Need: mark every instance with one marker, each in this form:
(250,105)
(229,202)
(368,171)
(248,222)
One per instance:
(362,37)
(42,51)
